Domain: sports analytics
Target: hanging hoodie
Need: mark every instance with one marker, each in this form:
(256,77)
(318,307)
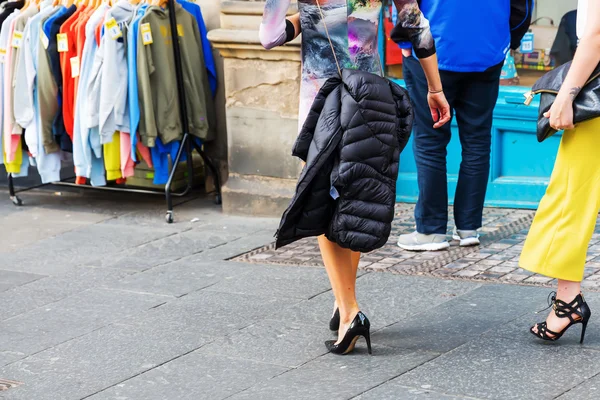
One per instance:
(157,84)
(113,113)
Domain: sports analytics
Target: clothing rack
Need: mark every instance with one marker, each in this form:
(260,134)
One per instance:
(187,145)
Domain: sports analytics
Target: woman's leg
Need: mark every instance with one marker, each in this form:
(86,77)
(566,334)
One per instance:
(339,263)
(355,261)
(558,240)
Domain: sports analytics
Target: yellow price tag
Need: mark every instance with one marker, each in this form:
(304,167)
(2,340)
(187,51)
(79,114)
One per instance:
(63,42)
(74,67)
(113,29)
(44,39)
(2,55)
(17,39)
(180,30)
(146,34)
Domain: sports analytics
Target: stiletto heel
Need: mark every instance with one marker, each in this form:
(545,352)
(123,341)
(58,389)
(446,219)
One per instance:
(334,322)
(360,326)
(583,328)
(577,311)
(368,339)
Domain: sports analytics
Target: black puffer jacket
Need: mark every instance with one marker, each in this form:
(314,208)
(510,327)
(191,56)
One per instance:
(351,142)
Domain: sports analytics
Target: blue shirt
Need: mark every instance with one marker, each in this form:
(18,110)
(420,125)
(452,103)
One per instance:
(470,35)
(132,84)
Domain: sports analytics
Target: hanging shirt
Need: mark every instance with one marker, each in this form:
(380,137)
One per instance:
(52,27)
(80,42)
(113,113)
(87,150)
(209,60)
(68,29)
(12,165)
(10,62)
(47,90)
(27,109)
(26,71)
(132,88)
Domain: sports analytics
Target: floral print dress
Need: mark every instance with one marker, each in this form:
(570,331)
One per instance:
(353,27)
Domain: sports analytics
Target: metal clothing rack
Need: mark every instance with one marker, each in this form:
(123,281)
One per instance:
(188,145)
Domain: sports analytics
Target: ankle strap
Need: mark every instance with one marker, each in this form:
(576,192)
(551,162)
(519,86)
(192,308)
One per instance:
(566,310)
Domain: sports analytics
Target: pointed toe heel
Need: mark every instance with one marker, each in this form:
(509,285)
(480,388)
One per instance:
(360,326)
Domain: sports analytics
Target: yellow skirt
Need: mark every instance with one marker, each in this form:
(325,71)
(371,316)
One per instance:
(559,237)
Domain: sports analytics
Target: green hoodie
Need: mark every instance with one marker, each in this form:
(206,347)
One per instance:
(157,84)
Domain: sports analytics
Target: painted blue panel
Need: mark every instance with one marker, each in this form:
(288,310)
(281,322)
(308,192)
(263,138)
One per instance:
(520,166)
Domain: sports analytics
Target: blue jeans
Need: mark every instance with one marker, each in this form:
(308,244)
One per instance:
(472,97)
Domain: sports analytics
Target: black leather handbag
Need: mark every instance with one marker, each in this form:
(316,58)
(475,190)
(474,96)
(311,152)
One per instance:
(585,107)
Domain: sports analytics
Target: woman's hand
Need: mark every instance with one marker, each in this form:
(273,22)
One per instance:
(561,113)
(440,110)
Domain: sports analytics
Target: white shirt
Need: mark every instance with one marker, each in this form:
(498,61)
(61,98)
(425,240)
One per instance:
(582,12)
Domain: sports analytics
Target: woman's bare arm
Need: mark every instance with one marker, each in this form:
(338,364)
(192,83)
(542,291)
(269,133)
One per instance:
(276,29)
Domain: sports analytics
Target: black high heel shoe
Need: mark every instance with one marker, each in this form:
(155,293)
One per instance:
(360,326)
(334,322)
(577,311)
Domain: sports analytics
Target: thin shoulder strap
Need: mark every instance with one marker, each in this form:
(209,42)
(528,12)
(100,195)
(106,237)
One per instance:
(329,38)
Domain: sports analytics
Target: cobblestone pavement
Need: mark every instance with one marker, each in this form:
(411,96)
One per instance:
(496,260)
(101,300)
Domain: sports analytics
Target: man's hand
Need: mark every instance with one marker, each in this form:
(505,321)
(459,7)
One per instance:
(440,110)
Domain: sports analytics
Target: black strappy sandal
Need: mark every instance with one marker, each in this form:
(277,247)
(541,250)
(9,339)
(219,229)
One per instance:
(577,311)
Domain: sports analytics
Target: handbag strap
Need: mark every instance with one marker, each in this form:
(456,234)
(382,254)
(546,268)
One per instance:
(329,38)
(331,43)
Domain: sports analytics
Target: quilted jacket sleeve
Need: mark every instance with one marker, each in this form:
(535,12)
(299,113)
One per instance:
(306,134)
(405,114)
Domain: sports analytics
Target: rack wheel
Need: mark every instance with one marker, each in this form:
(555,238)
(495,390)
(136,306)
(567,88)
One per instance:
(16,201)
(218,199)
(169,217)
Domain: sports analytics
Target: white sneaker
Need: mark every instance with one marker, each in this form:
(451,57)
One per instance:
(420,242)
(466,238)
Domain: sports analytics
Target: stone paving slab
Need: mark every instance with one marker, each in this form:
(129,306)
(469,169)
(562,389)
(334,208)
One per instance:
(181,277)
(393,390)
(334,377)
(103,358)
(286,344)
(500,368)
(291,283)
(14,278)
(193,377)
(589,390)
(46,222)
(462,319)
(77,315)
(21,299)
(74,248)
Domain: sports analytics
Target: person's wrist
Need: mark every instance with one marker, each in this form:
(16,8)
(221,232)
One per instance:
(435,91)
(564,98)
